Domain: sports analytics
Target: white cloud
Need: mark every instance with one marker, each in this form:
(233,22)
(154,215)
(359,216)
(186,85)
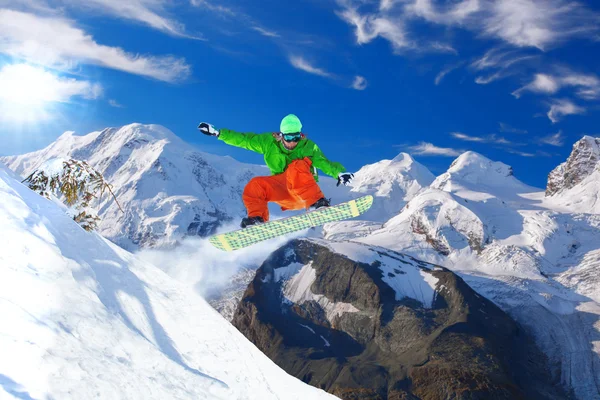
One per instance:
(521,153)
(482,139)
(148,12)
(503,62)
(560,108)
(57,42)
(542,83)
(266,32)
(152,13)
(587,86)
(468,138)
(116,104)
(455,14)
(442,74)
(359,83)
(369,27)
(554,140)
(214,8)
(429,149)
(524,23)
(537,23)
(300,63)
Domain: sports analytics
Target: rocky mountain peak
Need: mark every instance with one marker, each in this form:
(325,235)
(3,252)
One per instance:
(582,162)
(368,323)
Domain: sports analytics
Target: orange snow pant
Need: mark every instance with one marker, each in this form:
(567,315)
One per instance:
(294,189)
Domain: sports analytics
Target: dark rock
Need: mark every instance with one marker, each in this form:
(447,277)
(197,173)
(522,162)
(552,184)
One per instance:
(397,339)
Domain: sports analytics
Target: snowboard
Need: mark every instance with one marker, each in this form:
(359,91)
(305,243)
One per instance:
(257,233)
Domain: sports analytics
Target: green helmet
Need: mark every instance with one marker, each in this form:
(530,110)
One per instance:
(290,124)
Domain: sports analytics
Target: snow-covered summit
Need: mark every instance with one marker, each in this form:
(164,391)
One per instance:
(392,182)
(167,188)
(472,168)
(82,318)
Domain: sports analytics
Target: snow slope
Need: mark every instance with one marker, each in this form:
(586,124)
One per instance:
(517,248)
(82,318)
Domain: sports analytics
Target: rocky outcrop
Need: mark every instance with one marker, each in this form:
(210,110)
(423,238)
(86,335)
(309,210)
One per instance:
(582,162)
(368,323)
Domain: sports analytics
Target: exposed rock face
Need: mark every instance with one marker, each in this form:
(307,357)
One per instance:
(376,324)
(581,163)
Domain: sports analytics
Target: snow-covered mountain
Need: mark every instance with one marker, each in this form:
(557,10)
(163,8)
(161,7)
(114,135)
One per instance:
(83,318)
(168,189)
(392,183)
(516,247)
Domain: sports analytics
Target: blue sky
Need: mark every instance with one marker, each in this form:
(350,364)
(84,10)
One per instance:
(515,80)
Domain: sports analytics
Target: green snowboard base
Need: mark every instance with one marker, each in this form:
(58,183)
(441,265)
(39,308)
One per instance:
(257,233)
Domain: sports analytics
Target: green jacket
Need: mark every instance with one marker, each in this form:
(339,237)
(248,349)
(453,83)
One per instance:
(277,157)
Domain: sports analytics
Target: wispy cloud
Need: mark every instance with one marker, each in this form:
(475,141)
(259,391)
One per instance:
(557,139)
(541,84)
(302,64)
(586,86)
(482,139)
(359,83)
(442,74)
(507,128)
(538,23)
(116,104)
(501,62)
(219,9)
(57,42)
(152,13)
(523,23)
(266,32)
(521,153)
(370,26)
(562,107)
(429,149)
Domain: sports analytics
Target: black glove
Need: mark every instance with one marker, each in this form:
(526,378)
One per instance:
(345,178)
(208,129)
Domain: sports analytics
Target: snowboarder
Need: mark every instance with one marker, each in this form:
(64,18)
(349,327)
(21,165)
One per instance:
(292,159)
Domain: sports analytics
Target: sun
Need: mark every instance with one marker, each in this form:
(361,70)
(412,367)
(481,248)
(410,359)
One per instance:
(29,94)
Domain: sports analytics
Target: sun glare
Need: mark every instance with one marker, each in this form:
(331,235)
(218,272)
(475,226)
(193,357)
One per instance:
(28,93)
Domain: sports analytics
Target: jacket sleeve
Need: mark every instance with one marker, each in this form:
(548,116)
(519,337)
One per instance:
(250,141)
(331,168)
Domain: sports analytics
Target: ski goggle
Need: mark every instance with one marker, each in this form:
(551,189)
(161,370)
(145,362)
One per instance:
(292,137)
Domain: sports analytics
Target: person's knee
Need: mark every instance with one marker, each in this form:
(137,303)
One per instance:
(254,187)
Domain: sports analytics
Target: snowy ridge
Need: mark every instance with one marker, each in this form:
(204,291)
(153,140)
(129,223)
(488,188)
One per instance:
(82,317)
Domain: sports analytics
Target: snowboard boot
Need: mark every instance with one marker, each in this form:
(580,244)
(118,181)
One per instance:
(322,202)
(248,221)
